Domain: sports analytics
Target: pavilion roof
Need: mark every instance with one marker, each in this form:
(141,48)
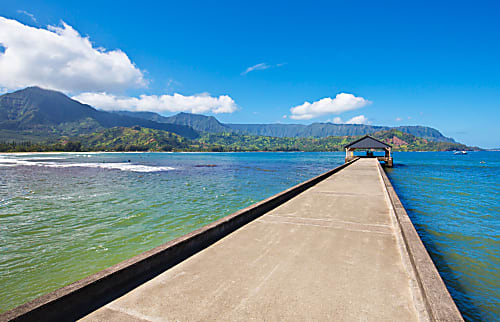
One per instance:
(367,142)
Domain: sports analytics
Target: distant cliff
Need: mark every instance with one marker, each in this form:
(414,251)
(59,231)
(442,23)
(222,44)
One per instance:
(210,124)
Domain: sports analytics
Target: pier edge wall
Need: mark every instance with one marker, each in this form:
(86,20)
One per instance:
(438,301)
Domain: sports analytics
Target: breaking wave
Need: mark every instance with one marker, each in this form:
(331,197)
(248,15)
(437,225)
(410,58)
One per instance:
(123,166)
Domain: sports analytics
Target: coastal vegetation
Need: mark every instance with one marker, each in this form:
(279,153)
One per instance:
(39,120)
(145,139)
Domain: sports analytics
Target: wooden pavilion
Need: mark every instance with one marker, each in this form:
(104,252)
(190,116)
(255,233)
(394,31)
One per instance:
(369,144)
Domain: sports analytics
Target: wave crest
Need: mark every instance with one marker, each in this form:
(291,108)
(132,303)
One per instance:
(125,166)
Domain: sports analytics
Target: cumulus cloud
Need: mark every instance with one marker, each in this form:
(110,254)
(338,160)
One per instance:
(201,103)
(342,102)
(360,119)
(60,58)
(261,66)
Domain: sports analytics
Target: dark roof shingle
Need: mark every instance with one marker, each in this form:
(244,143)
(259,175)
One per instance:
(367,142)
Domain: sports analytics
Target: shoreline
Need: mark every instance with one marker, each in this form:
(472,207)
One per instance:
(118,152)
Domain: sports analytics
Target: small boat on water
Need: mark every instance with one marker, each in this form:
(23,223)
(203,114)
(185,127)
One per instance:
(460,152)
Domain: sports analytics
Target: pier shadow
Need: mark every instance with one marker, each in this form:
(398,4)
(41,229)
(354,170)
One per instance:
(394,166)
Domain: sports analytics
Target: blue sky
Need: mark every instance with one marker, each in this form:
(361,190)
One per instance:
(420,63)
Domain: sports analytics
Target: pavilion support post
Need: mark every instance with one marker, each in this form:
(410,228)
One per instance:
(349,154)
(388,157)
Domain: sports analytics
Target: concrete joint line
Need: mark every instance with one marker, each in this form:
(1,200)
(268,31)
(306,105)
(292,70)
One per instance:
(324,226)
(132,313)
(346,194)
(329,220)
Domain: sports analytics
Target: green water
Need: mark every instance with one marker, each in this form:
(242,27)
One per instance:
(66,216)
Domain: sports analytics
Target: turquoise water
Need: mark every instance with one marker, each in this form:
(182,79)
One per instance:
(453,201)
(65,216)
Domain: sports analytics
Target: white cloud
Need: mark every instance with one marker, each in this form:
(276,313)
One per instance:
(60,58)
(341,103)
(360,119)
(337,120)
(200,103)
(398,119)
(32,16)
(261,66)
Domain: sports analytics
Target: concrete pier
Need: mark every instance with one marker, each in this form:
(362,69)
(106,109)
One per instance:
(334,252)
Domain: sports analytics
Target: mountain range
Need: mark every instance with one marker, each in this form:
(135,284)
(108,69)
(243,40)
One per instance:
(210,124)
(50,114)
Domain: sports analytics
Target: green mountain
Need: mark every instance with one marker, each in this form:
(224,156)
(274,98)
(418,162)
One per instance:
(133,139)
(152,116)
(320,130)
(399,140)
(425,132)
(210,124)
(312,130)
(198,122)
(40,111)
(402,141)
(146,139)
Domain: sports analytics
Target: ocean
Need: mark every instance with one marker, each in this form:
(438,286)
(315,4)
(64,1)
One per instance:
(453,202)
(64,216)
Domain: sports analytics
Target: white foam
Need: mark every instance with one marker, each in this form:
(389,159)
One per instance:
(45,158)
(116,166)
(10,162)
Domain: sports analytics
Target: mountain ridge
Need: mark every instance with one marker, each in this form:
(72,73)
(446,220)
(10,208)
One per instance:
(42,110)
(198,122)
(203,123)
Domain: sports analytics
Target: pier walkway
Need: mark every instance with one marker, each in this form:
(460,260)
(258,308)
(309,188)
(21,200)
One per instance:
(333,252)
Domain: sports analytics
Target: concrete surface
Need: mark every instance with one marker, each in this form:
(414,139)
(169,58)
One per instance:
(334,252)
